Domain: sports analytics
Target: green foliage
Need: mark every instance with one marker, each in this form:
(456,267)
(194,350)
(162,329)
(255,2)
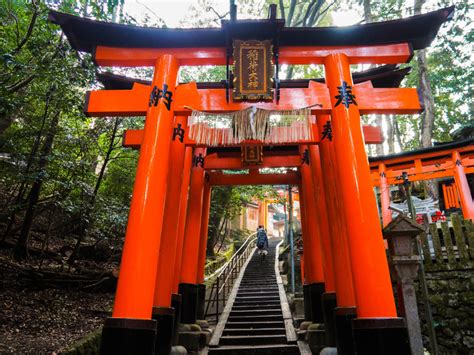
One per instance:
(450,69)
(41,77)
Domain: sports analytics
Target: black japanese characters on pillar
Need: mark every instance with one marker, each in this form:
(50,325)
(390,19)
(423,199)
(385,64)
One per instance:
(327,131)
(198,160)
(156,94)
(346,97)
(178,131)
(305,157)
(458,162)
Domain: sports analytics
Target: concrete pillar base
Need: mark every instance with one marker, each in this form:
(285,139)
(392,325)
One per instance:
(329,303)
(128,336)
(388,336)
(189,294)
(343,317)
(164,329)
(176,305)
(201,301)
(316,291)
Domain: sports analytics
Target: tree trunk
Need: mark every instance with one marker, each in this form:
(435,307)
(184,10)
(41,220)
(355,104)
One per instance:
(367,11)
(379,147)
(21,247)
(390,134)
(428,116)
(378,118)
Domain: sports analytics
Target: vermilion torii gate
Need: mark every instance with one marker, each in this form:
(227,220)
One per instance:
(164,249)
(454,160)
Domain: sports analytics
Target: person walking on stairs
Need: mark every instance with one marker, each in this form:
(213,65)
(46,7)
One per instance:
(262,242)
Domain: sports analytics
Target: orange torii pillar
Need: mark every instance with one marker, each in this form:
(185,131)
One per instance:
(345,298)
(163,312)
(206,209)
(131,329)
(328,299)
(306,275)
(314,259)
(176,298)
(192,232)
(384,196)
(465,195)
(377,329)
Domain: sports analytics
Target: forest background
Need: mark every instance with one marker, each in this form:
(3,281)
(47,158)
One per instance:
(66,182)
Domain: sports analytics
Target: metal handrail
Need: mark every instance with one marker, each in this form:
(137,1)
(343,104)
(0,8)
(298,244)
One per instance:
(224,277)
(221,269)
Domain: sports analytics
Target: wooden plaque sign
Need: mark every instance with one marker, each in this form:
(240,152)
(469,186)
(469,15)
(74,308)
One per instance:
(252,154)
(253,70)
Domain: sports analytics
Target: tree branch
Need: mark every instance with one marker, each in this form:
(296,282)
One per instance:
(291,11)
(30,28)
(282,9)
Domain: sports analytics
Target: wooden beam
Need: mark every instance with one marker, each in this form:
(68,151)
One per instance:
(212,162)
(218,178)
(372,135)
(139,57)
(134,102)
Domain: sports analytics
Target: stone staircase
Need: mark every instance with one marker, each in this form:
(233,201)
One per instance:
(255,324)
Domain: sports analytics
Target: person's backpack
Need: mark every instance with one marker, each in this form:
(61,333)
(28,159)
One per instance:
(261,236)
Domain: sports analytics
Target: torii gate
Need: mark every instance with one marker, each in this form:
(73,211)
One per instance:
(454,160)
(164,215)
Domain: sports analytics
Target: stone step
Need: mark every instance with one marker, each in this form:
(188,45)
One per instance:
(260,292)
(256,349)
(256,298)
(265,317)
(258,284)
(253,325)
(252,339)
(258,288)
(245,307)
(254,331)
(257,302)
(265,295)
(256,312)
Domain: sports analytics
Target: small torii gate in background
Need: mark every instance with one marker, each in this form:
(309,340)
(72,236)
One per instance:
(346,268)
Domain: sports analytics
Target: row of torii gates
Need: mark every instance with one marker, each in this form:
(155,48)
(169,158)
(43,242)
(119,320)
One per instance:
(165,245)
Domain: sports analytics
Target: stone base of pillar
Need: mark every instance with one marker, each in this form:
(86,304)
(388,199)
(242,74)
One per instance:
(388,336)
(176,305)
(201,302)
(329,303)
(316,291)
(164,317)
(128,336)
(189,294)
(343,317)
(307,302)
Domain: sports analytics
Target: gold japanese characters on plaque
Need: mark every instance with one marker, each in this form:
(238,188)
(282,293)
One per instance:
(253,70)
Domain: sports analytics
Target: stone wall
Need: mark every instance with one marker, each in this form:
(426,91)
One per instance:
(451,295)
